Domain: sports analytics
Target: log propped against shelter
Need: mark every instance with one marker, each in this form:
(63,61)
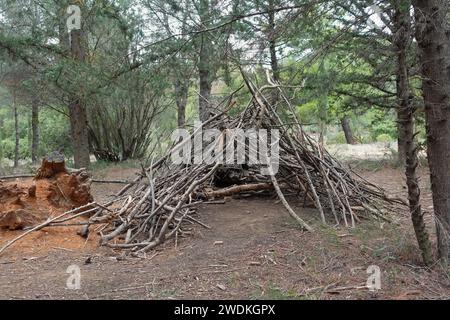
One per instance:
(161,203)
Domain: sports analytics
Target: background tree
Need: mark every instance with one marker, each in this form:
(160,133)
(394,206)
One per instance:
(434,46)
(406,109)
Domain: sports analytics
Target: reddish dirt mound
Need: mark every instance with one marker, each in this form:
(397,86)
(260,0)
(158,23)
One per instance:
(27,203)
(68,190)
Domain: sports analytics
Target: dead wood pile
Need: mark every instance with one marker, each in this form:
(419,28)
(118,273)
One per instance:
(162,203)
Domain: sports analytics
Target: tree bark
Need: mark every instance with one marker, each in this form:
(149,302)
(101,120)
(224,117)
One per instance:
(63,34)
(204,64)
(431,34)
(402,40)
(181,96)
(273,42)
(345,123)
(16,128)
(77,110)
(272,37)
(205,83)
(402,118)
(181,76)
(34,130)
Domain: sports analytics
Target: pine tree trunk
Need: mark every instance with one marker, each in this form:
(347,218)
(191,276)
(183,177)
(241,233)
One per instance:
(274,61)
(402,118)
(63,34)
(204,65)
(77,110)
(272,37)
(16,129)
(272,42)
(34,130)
(205,83)
(399,44)
(345,123)
(181,95)
(405,111)
(181,83)
(434,48)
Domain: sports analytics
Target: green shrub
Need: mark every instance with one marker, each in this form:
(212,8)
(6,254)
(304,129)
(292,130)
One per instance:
(338,138)
(7,148)
(384,137)
(54,130)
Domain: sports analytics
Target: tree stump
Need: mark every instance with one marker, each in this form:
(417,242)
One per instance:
(52,164)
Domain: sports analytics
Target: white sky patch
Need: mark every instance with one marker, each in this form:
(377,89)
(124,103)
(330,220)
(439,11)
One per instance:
(375,20)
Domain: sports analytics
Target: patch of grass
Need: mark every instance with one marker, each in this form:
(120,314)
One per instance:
(166,293)
(338,138)
(367,230)
(101,165)
(233,280)
(287,221)
(388,243)
(403,246)
(384,137)
(274,293)
(328,233)
(392,275)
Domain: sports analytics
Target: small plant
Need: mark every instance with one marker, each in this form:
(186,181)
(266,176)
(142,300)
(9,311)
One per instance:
(384,137)
(275,293)
(338,138)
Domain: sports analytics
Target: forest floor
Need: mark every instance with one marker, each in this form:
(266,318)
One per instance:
(253,250)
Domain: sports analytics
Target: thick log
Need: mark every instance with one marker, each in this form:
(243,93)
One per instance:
(221,193)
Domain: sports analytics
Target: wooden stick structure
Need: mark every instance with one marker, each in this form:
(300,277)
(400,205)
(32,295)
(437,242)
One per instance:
(161,202)
(164,198)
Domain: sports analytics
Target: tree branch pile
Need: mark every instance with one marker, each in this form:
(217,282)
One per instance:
(162,201)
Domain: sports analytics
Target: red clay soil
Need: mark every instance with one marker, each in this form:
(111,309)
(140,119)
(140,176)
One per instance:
(28,202)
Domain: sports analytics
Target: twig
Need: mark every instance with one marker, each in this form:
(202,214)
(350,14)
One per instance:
(42,225)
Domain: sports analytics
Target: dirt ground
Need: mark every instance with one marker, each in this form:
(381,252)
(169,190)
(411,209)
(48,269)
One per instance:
(253,250)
